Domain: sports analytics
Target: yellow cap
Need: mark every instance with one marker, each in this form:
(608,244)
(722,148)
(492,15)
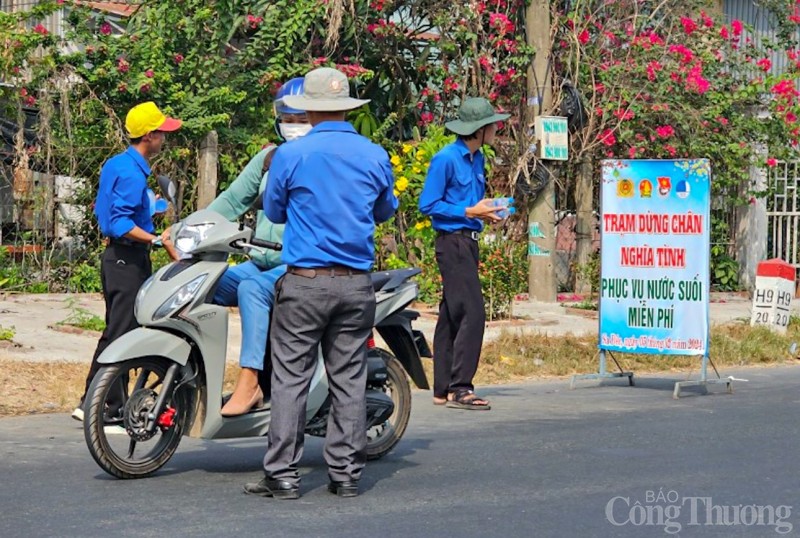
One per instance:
(146,118)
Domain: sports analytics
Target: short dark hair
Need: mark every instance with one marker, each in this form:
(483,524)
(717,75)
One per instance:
(136,140)
(473,136)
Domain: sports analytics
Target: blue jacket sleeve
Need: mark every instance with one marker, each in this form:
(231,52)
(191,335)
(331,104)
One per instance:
(127,195)
(387,203)
(431,199)
(276,195)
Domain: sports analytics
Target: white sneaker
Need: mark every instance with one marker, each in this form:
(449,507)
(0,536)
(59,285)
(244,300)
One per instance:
(114,429)
(78,414)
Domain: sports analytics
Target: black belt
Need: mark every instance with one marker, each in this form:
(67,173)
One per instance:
(125,242)
(472,234)
(334,270)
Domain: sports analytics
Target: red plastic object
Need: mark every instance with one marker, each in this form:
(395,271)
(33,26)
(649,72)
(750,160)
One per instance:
(167,418)
(776,268)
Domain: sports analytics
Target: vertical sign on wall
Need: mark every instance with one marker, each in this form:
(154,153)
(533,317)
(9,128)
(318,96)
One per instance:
(655,251)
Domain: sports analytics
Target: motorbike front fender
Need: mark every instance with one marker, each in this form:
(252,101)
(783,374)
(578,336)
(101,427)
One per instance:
(143,342)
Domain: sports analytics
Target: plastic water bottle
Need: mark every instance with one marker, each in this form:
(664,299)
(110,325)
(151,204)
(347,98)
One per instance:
(505,207)
(502,202)
(506,212)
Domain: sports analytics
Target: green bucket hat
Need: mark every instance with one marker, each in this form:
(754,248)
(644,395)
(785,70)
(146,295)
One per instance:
(473,114)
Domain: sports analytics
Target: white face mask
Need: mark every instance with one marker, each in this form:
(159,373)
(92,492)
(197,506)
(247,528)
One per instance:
(293,131)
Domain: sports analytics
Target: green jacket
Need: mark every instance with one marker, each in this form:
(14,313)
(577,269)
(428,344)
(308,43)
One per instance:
(239,197)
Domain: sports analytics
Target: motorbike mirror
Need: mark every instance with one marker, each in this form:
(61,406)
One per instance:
(168,188)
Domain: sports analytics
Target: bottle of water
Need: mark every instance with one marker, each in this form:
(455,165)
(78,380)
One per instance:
(506,212)
(505,207)
(502,202)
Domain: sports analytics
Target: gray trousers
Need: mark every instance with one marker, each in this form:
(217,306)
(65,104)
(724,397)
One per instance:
(337,312)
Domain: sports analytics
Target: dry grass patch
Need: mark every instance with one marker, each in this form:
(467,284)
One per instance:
(517,355)
(48,387)
(52,387)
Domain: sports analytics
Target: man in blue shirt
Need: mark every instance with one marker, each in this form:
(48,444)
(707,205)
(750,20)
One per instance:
(453,198)
(123,212)
(330,188)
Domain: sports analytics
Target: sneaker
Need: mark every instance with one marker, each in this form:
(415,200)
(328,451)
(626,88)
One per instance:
(113,429)
(78,414)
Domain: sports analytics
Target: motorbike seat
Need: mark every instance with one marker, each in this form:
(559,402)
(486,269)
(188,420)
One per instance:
(389,280)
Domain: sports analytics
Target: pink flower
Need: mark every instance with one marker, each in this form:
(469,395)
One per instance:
(30,100)
(671,150)
(254,21)
(687,55)
(772,162)
(791,117)
(722,121)
(144,88)
(765,64)
(485,62)
(624,115)
(689,25)
(122,88)
(665,131)
(695,80)
(653,68)
(105,28)
(122,65)
(178,58)
(426,118)
(607,137)
(708,22)
(501,23)
(736,27)
(149,73)
(39,29)
(723,32)
(583,38)
(632,152)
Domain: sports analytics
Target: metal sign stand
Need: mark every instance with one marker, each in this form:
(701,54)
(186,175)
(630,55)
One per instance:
(602,373)
(703,381)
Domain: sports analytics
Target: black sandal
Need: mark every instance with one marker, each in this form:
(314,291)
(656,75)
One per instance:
(467,399)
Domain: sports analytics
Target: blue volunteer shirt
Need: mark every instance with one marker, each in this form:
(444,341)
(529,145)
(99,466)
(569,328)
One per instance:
(122,200)
(455,181)
(330,188)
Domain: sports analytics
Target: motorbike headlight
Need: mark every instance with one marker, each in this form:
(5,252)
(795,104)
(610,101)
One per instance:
(140,295)
(180,298)
(189,237)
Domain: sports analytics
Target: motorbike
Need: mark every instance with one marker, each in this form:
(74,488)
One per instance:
(169,372)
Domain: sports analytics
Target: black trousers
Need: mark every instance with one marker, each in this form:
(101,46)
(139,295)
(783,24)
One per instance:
(336,312)
(123,270)
(458,338)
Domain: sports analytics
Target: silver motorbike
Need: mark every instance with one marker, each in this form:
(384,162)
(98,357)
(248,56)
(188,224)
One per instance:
(169,372)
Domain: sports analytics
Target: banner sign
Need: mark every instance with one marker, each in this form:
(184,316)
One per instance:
(655,254)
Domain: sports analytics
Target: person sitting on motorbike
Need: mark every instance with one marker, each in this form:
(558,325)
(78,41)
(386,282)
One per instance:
(251,285)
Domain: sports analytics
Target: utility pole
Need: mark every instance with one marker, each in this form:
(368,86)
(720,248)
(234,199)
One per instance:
(541,219)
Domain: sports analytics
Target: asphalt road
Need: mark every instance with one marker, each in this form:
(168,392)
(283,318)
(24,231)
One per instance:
(544,462)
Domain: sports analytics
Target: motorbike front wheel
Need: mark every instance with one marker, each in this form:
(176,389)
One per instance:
(382,438)
(121,443)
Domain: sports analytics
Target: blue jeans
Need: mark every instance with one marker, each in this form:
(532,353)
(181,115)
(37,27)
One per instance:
(253,291)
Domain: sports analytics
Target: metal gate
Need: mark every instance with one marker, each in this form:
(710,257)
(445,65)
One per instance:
(783,212)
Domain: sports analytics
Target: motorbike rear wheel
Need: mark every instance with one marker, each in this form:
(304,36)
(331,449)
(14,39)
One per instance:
(383,437)
(141,380)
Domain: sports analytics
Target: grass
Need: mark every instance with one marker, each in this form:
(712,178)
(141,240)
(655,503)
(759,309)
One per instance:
(52,387)
(82,318)
(517,355)
(48,387)
(7,333)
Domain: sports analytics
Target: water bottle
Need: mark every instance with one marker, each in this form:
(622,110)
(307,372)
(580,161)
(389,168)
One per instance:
(506,212)
(502,202)
(505,207)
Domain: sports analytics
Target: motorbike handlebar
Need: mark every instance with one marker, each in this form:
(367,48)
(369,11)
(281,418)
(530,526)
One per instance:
(266,244)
